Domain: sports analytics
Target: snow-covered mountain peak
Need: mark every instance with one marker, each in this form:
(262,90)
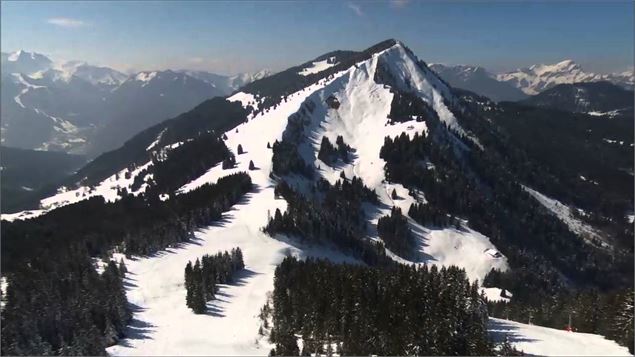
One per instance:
(94,74)
(145,76)
(25,62)
(537,78)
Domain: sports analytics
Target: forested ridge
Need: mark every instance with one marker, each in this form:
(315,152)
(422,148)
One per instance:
(47,262)
(479,183)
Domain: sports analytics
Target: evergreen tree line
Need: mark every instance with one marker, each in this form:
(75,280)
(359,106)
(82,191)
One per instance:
(394,231)
(526,138)
(286,159)
(216,115)
(460,178)
(403,310)
(408,106)
(59,305)
(330,154)
(56,302)
(333,215)
(183,164)
(477,185)
(428,215)
(608,314)
(144,226)
(202,277)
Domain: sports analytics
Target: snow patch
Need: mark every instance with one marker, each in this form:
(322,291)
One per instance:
(496,294)
(246,99)
(318,66)
(565,214)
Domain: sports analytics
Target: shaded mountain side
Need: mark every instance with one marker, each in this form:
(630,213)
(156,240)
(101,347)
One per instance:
(600,97)
(26,172)
(478,80)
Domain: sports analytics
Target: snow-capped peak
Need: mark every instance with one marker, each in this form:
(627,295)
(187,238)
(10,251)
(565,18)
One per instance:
(537,78)
(145,76)
(25,62)
(15,55)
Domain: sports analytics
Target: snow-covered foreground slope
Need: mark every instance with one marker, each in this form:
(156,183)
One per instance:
(543,341)
(163,325)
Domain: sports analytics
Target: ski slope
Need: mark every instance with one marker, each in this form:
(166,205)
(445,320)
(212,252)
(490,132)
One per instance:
(162,324)
(544,341)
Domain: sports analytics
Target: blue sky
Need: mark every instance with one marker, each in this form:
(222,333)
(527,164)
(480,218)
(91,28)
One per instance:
(229,37)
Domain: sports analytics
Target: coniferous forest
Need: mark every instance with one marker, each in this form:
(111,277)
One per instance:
(357,310)
(56,302)
(202,277)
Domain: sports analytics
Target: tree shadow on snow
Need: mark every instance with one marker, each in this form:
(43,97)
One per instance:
(136,329)
(499,329)
(222,297)
(420,245)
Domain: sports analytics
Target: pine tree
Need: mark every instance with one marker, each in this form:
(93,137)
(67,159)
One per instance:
(251,165)
(394,194)
(122,267)
(240,149)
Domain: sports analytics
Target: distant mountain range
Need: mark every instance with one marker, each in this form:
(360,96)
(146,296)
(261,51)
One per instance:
(595,98)
(76,107)
(479,80)
(523,82)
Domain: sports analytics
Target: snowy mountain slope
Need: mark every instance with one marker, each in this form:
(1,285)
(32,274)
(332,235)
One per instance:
(362,120)
(537,78)
(95,74)
(353,99)
(24,62)
(543,341)
(231,328)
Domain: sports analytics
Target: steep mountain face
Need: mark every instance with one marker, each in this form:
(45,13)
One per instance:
(366,158)
(538,78)
(80,108)
(479,80)
(597,98)
(24,62)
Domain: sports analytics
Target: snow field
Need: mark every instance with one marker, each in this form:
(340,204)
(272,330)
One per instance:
(163,325)
(544,341)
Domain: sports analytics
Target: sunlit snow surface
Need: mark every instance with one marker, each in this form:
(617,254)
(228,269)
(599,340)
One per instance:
(318,66)
(164,325)
(543,341)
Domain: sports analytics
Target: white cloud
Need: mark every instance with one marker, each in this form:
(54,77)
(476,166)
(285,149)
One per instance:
(66,22)
(399,3)
(356,9)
